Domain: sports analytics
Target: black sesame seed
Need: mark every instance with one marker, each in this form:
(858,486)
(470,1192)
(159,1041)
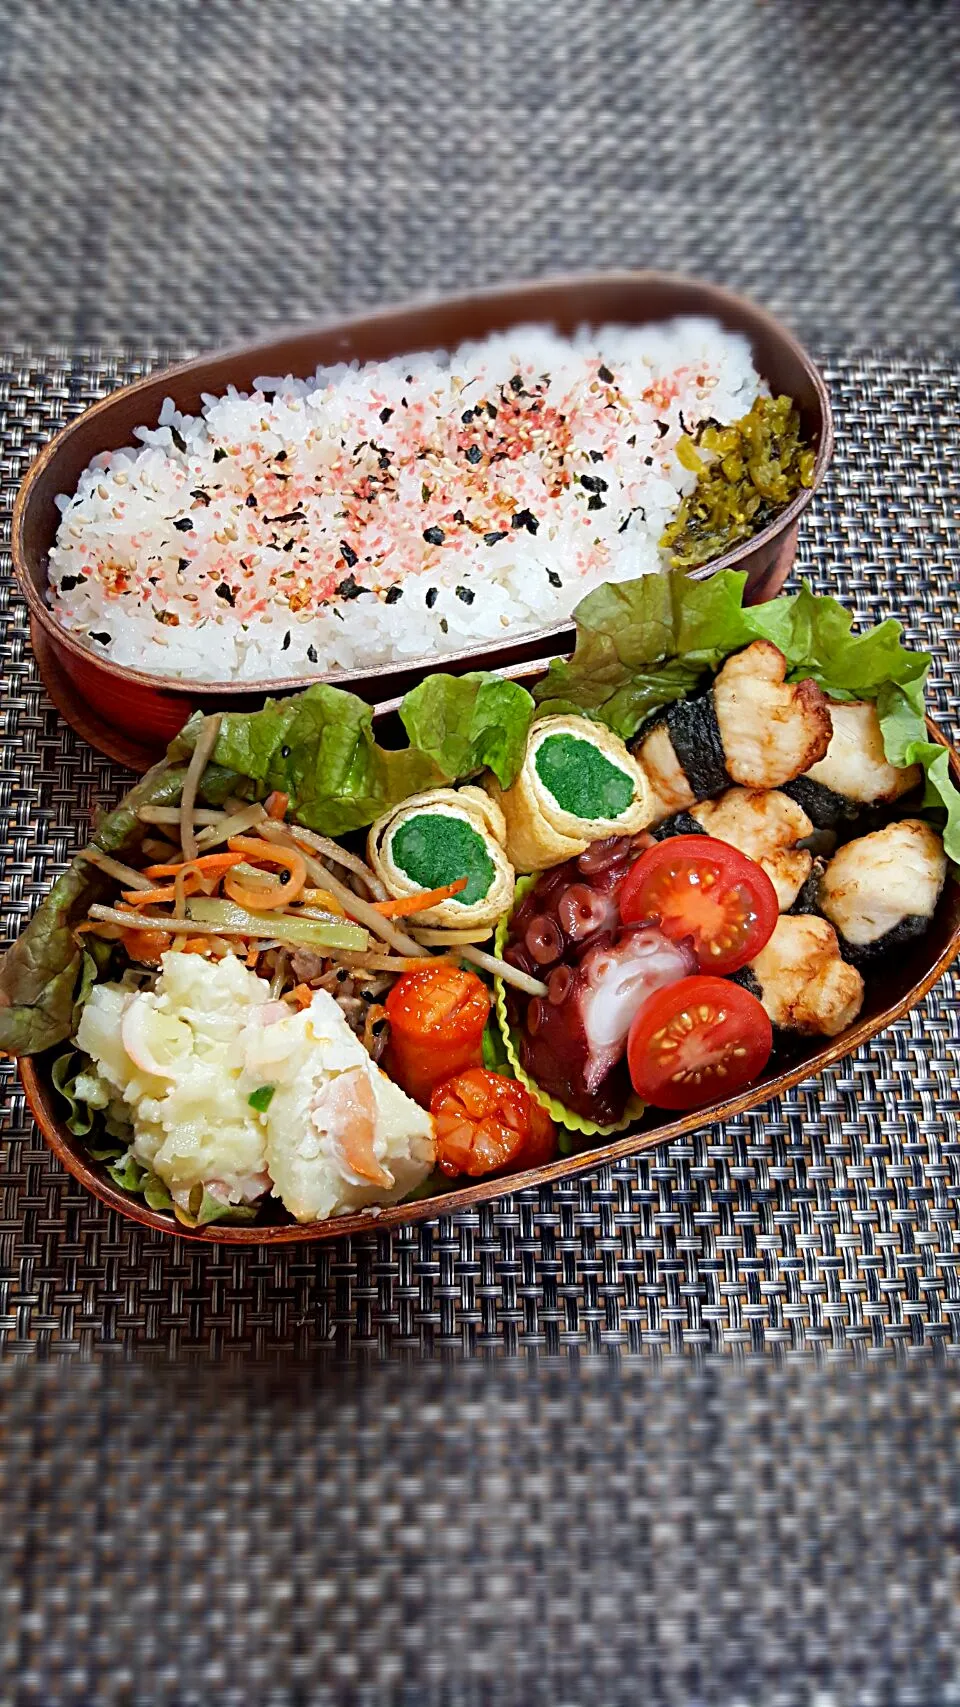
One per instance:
(219,454)
(200,495)
(342,974)
(467,416)
(284,752)
(516,383)
(466,594)
(281,456)
(648,461)
(431,597)
(251,501)
(385,414)
(605,374)
(592,483)
(348,554)
(459,516)
(596,502)
(104,639)
(312,654)
(184,525)
(491,538)
(524,519)
(491,409)
(68,582)
(227,593)
(289,545)
(663,428)
(473,453)
(178,439)
(554,578)
(434,536)
(392,595)
(384,460)
(632,439)
(596,456)
(183,563)
(285,643)
(348,588)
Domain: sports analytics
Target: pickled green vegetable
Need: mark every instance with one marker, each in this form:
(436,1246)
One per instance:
(748,472)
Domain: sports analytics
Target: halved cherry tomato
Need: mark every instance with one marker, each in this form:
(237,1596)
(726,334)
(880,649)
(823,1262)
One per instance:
(696,1041)
(700,887)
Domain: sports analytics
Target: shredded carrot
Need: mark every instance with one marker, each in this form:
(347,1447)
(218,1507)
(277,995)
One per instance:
(277,804)
(272,854)
(253,955)
(159,897)
(200,945)
(302,995)
(210,864)
(322,898)
(419,903)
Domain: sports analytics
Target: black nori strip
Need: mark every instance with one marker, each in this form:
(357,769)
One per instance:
(348,554)
(385,414)
(183,563)
(178,439)
(103,638)
(285,643)
(678,824)
(219,454)
(312,654)
(227,594)
(184,525)
(466,594)
(554,578)
(866,954)
(596,456)
(348,588)
(201,496)
(296,515)
(473,453)
(596,502)
(605,374)
(807,900)
(251,501)
(434,536)
(68,582)
(431,597)
(392,595)
(491,538)
(748,980)
(695,736)
(825,808)
(516,383)
(593,483)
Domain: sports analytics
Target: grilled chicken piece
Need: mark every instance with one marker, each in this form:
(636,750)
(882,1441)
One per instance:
(856,765)
(771,730)
(668,779)
(765,825)
(802,979)
(881,890)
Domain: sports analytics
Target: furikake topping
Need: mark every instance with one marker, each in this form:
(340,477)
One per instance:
(749,472)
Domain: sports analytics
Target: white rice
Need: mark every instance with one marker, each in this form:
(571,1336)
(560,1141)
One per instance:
(356,518)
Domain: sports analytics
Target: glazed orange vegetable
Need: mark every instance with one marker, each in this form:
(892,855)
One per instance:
(485,1122)
(437,1018)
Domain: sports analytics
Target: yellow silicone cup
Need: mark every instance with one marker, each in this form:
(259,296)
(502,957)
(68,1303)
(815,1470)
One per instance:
(564,1116)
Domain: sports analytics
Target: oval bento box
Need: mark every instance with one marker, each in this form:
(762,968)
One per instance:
(892,991)
(131,715)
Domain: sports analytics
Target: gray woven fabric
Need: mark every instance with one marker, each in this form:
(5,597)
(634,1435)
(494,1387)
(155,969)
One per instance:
(195,169)
(481,1538)
(829,1221)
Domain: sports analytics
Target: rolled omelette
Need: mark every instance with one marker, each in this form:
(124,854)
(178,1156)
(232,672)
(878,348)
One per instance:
(435,838)
(577,784)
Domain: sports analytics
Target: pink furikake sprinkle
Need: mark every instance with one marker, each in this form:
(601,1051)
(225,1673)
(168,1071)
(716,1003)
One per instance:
(408,507)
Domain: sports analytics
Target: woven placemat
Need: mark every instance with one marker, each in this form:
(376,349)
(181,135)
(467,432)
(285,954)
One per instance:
(196,169)
(830,1220)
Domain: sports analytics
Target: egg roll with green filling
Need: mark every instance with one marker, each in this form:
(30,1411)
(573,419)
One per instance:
(577,784)
(433,839)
